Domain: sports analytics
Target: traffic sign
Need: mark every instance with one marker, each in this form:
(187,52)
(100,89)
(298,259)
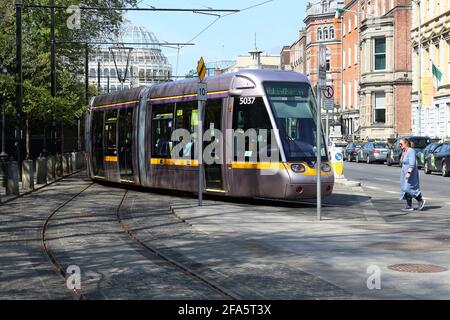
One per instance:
(202,91)
(201,69)
(328,104)
(328,92)
(322,65)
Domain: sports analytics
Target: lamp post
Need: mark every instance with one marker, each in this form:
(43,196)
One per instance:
(3,154)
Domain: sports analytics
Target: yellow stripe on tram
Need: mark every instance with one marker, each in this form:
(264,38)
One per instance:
(115,104)
(174,162)
(111,158)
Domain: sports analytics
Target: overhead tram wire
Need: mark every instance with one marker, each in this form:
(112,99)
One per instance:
(222,16)
(33,5)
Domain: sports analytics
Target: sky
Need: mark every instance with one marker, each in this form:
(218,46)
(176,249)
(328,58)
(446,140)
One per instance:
(276,23)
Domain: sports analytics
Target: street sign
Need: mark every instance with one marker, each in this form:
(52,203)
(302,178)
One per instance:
(322,66)
(202,91)
(201,69)
(328,104)
(328,101)
(328,92)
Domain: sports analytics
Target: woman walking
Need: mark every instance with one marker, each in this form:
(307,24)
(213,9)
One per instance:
(409,177)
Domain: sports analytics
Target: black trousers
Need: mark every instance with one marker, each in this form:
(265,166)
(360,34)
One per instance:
(410,197)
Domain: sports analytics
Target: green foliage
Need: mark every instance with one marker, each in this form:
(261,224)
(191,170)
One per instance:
(70,102)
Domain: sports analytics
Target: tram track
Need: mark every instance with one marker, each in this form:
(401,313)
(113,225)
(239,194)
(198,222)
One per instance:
(180,266)
(60,268)
(45,241)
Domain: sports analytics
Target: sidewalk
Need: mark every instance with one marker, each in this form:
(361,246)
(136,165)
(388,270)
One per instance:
(353,236)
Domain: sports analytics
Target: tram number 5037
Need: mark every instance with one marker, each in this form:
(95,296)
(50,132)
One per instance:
(247,100)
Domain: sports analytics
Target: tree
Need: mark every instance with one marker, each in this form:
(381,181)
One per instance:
(38,105)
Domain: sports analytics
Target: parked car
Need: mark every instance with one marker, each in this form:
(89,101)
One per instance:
(421,155)
(373,152)
(395,151)
(438,160)
(351,150)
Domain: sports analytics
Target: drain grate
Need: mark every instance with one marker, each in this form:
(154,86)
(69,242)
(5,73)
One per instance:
(417,268)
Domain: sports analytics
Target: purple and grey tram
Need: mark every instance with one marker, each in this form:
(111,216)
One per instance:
(129,136)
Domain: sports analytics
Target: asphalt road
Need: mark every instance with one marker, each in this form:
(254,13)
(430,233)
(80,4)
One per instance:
(380,177)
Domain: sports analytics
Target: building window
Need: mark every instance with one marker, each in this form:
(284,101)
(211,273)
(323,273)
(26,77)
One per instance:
(349,57)
(331,32)
(380,107)
(356,53)
(380,54)
(343,59)
(328,60)
(343,97)
(350,24)
(319,34)
(325,33)
(350,94)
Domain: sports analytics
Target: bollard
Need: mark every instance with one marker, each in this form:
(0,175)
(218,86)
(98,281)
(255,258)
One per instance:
(51,168)
(12,182)
(65,163)
(73,158)
(41,170)
(59,165)
(27,175)
(3,170)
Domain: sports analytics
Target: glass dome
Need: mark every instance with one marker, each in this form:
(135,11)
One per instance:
(134,34)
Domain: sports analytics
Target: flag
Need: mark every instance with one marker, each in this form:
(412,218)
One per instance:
(437,74)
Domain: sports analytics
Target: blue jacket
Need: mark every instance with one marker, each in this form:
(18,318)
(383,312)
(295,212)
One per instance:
(409,186)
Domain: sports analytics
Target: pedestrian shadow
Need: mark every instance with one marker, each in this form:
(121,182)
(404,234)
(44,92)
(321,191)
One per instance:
(428,208)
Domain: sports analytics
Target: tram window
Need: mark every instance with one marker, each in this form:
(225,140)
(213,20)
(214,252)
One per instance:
(97,142)
(186,117)
(111,133)
(251,114)
(294,110)
(162,126)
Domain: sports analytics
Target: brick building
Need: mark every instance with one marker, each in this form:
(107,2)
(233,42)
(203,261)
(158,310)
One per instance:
(386,68)
(320,27)
(349,22)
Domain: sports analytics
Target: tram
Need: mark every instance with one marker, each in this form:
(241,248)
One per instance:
(130,136)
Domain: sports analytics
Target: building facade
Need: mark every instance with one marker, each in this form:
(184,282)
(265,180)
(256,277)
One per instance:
(435,39)
(320,28)
(146,64)
(386,68)
(349,23)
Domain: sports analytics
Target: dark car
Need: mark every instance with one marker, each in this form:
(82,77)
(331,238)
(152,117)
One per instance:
(421,155)
(373,152)
(438,160)
(395,152)
(351,151)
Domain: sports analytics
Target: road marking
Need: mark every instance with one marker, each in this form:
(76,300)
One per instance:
(390,191)
(370,187)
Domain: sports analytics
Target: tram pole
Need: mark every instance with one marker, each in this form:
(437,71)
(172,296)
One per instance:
(321,82)
(319,159)
(19,82)
(201,106)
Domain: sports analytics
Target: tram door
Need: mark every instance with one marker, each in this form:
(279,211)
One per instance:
(125,139)
(213,120)
(97,143)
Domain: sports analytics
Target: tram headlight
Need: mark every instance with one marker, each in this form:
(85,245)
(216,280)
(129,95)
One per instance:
(298,167)
(326,167)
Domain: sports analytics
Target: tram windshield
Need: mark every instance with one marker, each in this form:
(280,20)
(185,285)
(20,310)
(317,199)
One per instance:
(294,108)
